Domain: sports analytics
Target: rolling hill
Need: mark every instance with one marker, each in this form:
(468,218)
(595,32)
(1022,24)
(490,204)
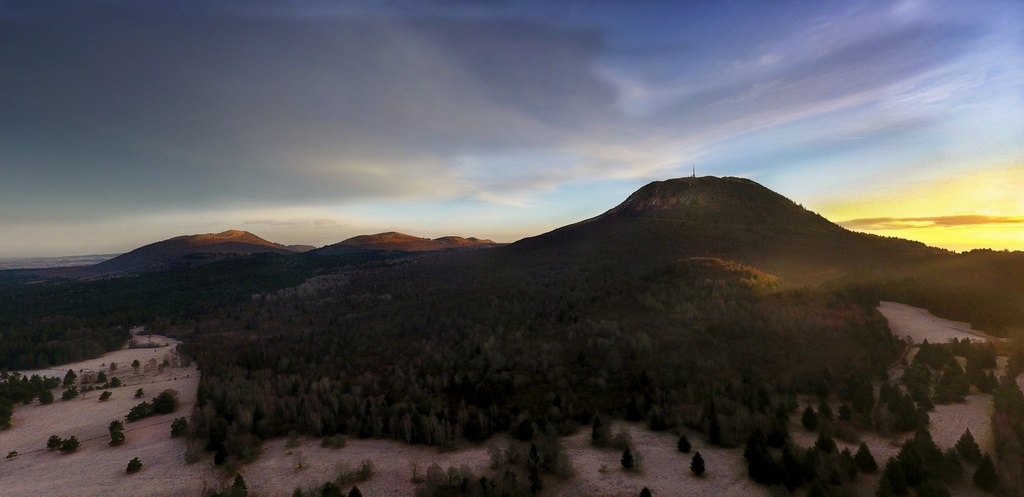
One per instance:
(400,242)
(186,251)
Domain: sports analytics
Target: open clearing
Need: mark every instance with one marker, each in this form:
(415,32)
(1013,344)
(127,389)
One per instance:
(920,325)
(98,469)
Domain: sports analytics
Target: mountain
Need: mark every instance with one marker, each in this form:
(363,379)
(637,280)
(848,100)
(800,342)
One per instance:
(400,242)
(186,251)
(728,218)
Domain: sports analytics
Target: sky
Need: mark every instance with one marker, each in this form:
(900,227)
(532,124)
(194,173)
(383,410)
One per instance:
(124,122)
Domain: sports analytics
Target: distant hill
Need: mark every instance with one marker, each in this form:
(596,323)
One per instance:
(54,262)
(727,218)
(186,251)
(400,242)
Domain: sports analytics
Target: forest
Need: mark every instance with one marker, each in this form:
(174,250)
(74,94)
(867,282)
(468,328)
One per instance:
(448,348)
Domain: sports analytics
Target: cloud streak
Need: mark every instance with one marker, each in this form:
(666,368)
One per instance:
(902,223)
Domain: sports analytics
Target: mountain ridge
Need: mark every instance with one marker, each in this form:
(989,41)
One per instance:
(401,242)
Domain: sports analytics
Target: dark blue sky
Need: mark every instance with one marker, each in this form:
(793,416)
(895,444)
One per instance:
(125,122)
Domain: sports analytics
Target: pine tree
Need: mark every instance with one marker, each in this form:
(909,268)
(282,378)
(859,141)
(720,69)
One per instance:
(893,473)
(968,448)
(884,488)
(931,488)
(865,461)
(627,459)
(69,378)
(809,419)
(825,411)
(355,492)
(646,492)
(239,488)
(600,432)
(116,429)
(761,465)
(825,443)
(951,468)
(985,476)
(697,464)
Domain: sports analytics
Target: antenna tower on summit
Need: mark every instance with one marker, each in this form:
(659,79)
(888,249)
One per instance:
(694,169)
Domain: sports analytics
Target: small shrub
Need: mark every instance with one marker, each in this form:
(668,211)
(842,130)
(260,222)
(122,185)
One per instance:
(46,397)
(69,394)
(622,439)
(683,445)
(336,441)
(417,477)
(140,393)
(12,454)
(166,402)
(293,440)
(365,469)
(53,442)
(134,466)
(105,395)
(70,445)
(139,411)
(178,427)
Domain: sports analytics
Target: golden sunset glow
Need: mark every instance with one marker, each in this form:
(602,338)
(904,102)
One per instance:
(981,210)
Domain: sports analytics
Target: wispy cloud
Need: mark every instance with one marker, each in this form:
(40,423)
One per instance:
(902,223)
(295,223)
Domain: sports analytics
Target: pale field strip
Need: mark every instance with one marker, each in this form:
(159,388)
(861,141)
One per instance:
(666,471)
(920,325)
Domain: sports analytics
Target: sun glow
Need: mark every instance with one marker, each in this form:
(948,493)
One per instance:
(983,210)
